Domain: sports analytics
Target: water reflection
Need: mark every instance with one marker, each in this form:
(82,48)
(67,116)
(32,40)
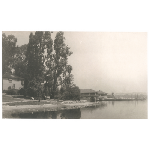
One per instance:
(71,114)
(36,115)
(113,102)
(103,110)
(61,114)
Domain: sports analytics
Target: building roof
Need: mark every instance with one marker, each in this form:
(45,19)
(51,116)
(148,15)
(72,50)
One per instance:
(11,76)
(87,91)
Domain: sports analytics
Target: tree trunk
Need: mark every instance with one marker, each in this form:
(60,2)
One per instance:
(49,92)
(52,95)
(39,95)
(54,87)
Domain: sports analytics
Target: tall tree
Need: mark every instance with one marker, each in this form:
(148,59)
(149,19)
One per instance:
(38,43)
(58,63)
(8,52)
(20,61)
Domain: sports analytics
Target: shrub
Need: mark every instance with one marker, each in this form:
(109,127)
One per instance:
(12,92)
(34,93)
(4,91)
(9,88)
(70,93)
(21,91)
(31,93)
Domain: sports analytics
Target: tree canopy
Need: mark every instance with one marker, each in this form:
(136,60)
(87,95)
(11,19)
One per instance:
(43,63)
(8,52)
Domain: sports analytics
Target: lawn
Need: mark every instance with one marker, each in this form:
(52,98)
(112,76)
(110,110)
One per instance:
(13,101)
(9,98)
(28,103)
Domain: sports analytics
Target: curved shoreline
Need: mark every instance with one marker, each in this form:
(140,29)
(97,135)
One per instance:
(8,110)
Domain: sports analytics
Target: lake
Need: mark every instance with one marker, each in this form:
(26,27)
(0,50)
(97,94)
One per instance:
(105,110)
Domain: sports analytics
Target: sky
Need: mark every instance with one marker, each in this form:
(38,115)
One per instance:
(108,61)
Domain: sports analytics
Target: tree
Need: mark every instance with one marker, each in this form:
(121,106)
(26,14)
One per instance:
(43,70)
(75,93)
(20,65)
(8,52)
(38,43)
(58,63)
(69,91)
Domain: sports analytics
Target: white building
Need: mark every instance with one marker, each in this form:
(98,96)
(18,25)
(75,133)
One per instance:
(12,82)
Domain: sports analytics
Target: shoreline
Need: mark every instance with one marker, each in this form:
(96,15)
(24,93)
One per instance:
(20,105)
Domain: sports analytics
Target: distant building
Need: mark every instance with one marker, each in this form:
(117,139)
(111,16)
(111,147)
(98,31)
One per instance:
(88,93)
(12,82)
(110,96)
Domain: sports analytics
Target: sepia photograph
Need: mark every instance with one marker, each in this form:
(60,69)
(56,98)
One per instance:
(74,75)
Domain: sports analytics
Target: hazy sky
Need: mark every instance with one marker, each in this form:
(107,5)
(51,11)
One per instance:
(111,62)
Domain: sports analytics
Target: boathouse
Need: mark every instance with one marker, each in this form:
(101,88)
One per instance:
(89,93)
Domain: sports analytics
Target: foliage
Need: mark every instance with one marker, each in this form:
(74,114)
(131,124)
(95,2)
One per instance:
(21,91)
(8,52)
(43,65)
(20,64)
(9,88)
(38,43)
(12,92)
(70,93)
(57,64)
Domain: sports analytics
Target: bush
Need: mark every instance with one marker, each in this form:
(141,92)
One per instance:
(12,92)
(21,91)
(31,93)
(56,97)
(4,91)
(9,88)
(70,93)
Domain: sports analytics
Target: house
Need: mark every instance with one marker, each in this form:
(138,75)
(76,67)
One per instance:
(11,81)
(87,92)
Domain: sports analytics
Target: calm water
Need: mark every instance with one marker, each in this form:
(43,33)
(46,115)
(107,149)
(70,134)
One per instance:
(106,110)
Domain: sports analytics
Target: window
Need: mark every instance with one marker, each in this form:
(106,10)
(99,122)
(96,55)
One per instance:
(10,80)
